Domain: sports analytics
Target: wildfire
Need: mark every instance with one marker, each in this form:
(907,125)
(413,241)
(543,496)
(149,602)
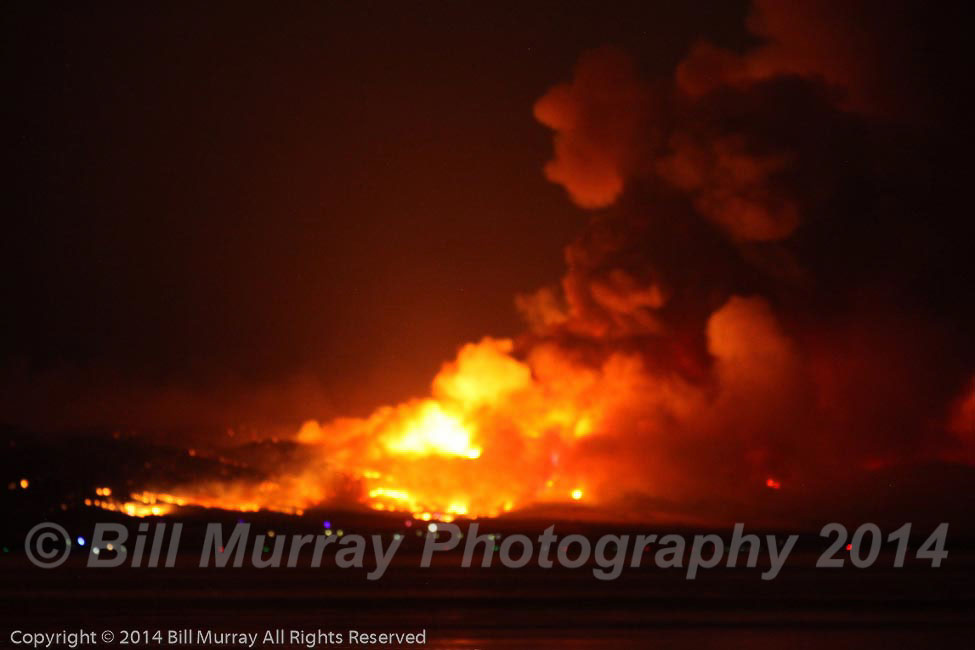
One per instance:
(503,430)
(638,383)
(433,432)
(141,505)
(497,433)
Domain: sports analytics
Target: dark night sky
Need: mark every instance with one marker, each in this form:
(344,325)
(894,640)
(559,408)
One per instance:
(347,192)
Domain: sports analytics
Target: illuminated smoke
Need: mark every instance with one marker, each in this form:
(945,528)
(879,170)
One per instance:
(732,187)
(600,121)
(857,52)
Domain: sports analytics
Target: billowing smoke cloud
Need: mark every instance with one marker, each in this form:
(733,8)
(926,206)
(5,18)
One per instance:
(763,146)
(608,130)
(601,121)
(732,187)
(747,315)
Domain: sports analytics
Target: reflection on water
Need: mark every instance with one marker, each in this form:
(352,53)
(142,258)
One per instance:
(514,610)
(723,638)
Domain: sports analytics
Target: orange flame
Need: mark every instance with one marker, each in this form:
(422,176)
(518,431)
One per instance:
(141,505)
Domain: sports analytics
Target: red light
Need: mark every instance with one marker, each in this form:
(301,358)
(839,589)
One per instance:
(849,547)
(772,483)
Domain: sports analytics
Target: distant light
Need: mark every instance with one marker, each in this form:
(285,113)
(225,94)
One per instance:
(80,540)
(408,523)
(772,483)
(271,534)
(328,524)
(328,533)
(432,527)
(849,547)
(576,494)
(339,532)
(6,550)
(24,483)
(109,547)
(95,550)
(397,536)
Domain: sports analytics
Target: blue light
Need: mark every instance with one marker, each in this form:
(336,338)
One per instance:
(328,524)
(80,540)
